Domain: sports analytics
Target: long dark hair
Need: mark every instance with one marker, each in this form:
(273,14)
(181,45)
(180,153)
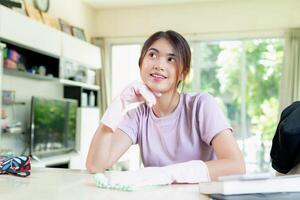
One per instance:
(180,45)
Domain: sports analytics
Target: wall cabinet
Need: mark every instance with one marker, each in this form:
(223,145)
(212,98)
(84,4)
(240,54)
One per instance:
(26,32)
(48,47)
(44,46)
(80,51)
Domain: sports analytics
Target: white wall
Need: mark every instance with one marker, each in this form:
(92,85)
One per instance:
(74,12)
(206,18)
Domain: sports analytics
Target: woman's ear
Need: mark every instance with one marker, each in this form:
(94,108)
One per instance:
(181,76)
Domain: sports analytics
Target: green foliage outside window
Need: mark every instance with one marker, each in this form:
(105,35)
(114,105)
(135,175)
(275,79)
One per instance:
(220,73)
(242,74)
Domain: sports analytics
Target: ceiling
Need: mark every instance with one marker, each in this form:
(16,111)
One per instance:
(129,3)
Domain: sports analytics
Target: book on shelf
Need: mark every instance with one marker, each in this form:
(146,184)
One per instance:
(249,184)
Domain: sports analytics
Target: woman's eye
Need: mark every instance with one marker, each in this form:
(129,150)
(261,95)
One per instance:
(152,55)
(171,59)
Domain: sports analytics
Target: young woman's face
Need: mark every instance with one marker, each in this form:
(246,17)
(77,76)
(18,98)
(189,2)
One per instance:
(159,67)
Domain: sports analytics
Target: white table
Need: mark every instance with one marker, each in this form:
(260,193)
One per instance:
(58,184)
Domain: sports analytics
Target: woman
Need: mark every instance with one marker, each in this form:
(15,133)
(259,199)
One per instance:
(183,138)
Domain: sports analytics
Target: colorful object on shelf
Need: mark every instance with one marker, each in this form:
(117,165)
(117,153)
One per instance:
(13,55)
(10,64)
(11,58)
(8,96)
(16,165)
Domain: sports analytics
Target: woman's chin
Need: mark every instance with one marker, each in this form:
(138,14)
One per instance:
(155,89)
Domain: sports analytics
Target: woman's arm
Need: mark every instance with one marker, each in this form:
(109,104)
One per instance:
(106,148)
(109,143)
(230,161)
(229,157)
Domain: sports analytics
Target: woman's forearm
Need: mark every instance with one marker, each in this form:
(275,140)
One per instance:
(225,167)
(98,156)
(230,158)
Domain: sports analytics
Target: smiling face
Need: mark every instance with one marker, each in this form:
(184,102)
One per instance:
(164,61)
(160,67)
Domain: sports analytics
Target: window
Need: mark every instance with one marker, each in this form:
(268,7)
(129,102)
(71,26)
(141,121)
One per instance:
(244,77)
(125,68)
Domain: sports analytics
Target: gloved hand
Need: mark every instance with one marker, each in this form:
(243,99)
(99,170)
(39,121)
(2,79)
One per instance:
(149,176)
(188,172)
(136,92)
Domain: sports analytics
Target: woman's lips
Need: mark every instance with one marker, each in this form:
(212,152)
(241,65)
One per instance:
(158,76)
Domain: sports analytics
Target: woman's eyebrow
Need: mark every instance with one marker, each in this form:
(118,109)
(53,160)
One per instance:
(156,50)
(153,49)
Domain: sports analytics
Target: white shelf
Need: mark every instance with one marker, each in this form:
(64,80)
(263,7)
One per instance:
(13,72)
(75,83)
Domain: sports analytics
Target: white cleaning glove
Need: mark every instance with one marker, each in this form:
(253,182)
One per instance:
(136,92)
(188,172)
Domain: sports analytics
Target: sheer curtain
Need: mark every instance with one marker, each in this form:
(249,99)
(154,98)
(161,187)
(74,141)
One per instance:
(102,77)
(290,81)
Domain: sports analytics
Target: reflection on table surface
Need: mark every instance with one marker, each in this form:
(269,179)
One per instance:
(56,184)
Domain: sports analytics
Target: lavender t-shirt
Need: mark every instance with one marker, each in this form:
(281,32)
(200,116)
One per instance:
(181,136)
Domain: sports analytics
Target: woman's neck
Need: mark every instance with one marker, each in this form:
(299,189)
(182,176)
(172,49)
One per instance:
(166,104)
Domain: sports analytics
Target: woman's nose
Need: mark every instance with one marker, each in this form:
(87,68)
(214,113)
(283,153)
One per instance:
(159,65)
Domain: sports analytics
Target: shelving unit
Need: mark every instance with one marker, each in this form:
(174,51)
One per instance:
(41,45)
(31,61)
(77,92)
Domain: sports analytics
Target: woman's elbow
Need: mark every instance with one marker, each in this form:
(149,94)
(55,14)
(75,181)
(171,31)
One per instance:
(93,168)
(96,168)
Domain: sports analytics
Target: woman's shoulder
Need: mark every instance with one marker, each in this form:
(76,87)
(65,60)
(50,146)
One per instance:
(139,110)
(197,97)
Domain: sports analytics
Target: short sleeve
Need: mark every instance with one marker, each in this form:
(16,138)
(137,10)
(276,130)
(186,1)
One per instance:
(130,124)
(212,119)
